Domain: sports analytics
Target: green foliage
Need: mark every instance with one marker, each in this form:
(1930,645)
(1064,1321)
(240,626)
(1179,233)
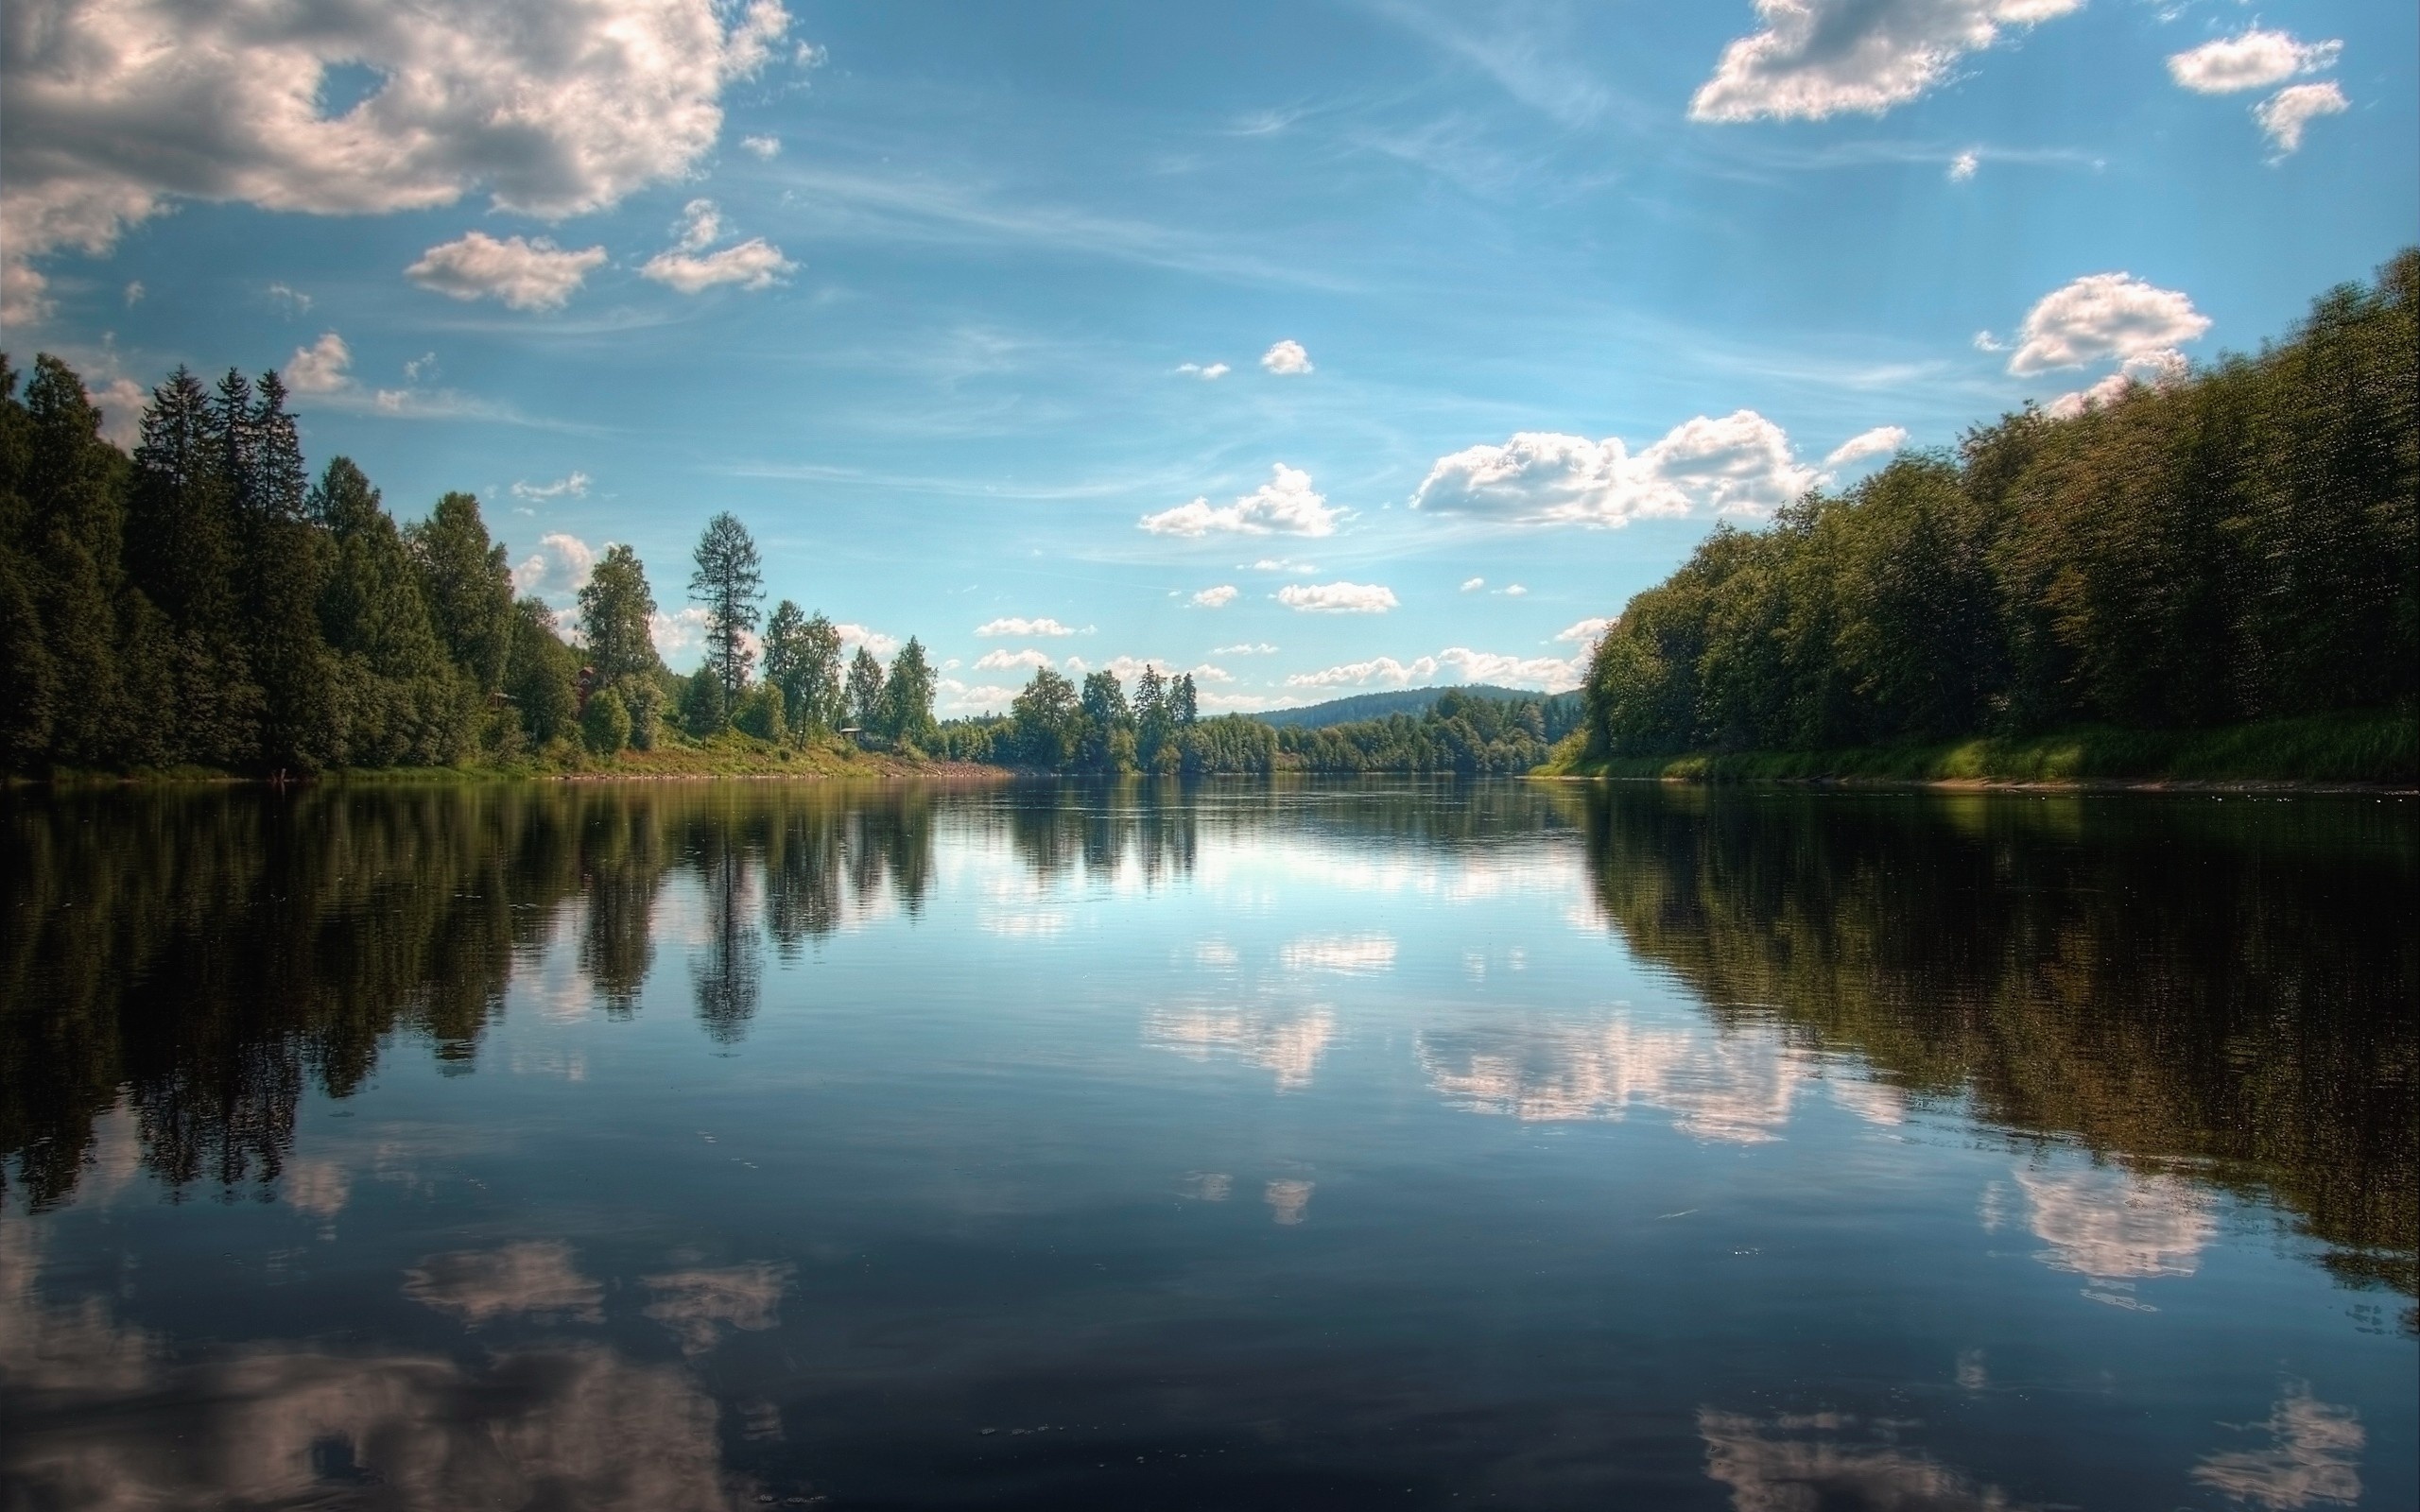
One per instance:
(2239,546)
(907,696)
(605,724)
(616,615)
(468,587)
(542,675)
(1460,733)
(703,712)
(728,581)
(760,713)
(865,692)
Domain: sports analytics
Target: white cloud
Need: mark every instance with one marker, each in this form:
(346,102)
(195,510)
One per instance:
(295,300)
(134,292)
(1022,627)
(2283,114)
(1244,648)
(1007,661)
(321,367)
(768,148)
(121,404)
(423,365)
(853,636)
(2156,368)
(956,697)
(1337,598)
(1218,598)
(524,273)
(1286,505)
(2254,60)
(1739,464)
(700,226)
(1284,564)
(1286,359)
(576,485)
(1881,441)
(552,107)
(1210,373)
(754,264)
(678,631)
(1584,632)
(1472,585)
(2099,317)
(1962,166)
(1454,664)
(558,566)
(1819,57)
(1515,591)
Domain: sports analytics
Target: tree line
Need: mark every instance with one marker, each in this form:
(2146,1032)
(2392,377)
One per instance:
(2238,545)
(204,603)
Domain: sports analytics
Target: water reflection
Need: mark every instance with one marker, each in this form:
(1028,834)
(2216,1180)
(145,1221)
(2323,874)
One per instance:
(1322,1144)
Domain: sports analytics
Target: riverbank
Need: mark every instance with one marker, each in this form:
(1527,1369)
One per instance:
(732,756)
(2363,749)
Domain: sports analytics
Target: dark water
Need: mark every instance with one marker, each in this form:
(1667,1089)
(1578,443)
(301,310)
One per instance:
(1381,1144)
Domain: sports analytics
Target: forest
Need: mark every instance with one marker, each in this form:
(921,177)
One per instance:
(1056,725)
(2238,545)
(203,605)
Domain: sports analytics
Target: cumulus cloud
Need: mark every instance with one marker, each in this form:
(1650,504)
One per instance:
(557,567)
(1286,359)
(1286,505)
(1245,648)
(1472,585)
(853,635)
(551,107)
(1739,464)
(1818,58)
(525,273)
(754,264)
(1218,598)
(2283,114)
(1515,590)
(322,367)
(1012,626)
(768,148)
(2254,60)
(574,485)
(120,401)
(1007,661)
(2099,317)
(1337,598)
(1210,373)
(1881,441)
(1584,632)
(1962,166)
(1457,663)
(2153,368)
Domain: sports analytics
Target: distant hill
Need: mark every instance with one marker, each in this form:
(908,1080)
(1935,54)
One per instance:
(1399,702)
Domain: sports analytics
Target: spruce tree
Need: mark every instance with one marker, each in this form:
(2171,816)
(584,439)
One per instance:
(283,564)
(183,553)
(728,581)
(74,521)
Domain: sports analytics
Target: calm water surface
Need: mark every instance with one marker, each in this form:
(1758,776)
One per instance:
(1383,1144)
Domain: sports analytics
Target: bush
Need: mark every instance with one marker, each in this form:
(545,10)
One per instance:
(605,724)
(760,713)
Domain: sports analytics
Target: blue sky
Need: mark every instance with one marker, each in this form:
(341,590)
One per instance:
(962,308)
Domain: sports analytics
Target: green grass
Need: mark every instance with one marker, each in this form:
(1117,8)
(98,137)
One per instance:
(732,754)
(2374,746)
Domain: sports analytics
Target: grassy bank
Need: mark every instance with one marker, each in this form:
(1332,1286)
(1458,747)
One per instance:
(729,755)
(2365,746)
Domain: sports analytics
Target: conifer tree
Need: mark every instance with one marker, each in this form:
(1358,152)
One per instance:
(283,563)
(75,551)
(1184,703)
(728,581)
(182,550)
(399,697)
